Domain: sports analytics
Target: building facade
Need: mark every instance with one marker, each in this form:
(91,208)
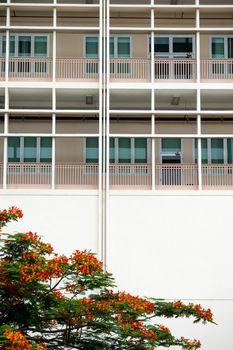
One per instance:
(116,135)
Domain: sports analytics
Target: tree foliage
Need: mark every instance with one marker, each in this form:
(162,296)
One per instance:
(51,301)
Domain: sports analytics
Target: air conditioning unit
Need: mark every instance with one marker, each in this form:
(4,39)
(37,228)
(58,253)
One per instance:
(174,2)
(89,2)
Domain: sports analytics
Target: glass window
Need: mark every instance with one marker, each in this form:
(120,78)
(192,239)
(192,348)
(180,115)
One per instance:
(124,150)
(230,151)
(230,47)
(12,45)
(171,145)
(140,150)
(24,45)
(217,153)
(14,149)
(218,48)
(112,150)
(30,149)
(112,47)
(182,45)
(92,153)
(40,46)
(161,44)
(46,149)
(92,47)
(204,152)
(123,47)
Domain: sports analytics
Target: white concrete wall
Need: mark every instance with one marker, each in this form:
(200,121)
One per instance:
(66,219)
(176,247)
(173,245)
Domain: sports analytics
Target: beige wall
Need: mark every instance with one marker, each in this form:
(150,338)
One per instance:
(25,126)
(70,45)
(69,150)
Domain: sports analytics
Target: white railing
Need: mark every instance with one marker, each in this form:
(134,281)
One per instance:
(77,175)
(176,175)
(130,68)
(217,176)
(77,68)
(127,175)
(30,68)
(217,69)
(175,69)
(27,174)
(121,176)
(2,68)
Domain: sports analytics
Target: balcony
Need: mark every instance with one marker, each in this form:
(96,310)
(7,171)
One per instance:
(170,69)
(40,69)
(121,69)
(121,176)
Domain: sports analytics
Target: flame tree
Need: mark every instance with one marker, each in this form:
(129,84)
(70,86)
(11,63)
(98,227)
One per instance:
(51,301)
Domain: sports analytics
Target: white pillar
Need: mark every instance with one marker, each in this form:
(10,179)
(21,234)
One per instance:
(100,172)
(198,47)
(153,152)
(199,156)
(53,170)
(152,45)
(5,151)
(54,45)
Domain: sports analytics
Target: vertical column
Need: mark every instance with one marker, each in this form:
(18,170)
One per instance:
(153,173)
(5,154)
(107,101)
(198,47)
(100,172)
(7,44)
(54,44)
(53,170)
(152,38)
(199,155)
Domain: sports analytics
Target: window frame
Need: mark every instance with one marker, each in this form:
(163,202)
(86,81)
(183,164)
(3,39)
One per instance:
(161,154)
(21,149)
(171,53)
(17,35)
(115,38)
(225,37)
(209,160)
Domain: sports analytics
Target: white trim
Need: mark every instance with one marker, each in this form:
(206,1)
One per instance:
(115,43)
(32,35)
(225,37)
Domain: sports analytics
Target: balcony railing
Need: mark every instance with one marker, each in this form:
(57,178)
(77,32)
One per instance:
(217,69)
(217,176)
(40,175)
(121,176)
(73,175)
(77,68)
(121,69)
(130,69)
(130,175)
(175,69)
(23,68)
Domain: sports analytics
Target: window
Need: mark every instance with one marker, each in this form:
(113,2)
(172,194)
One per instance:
(92,47)
(215,151)
(30,149)
(92,150)
(173,46)
(122,150)
(171,145)
(26,45)
(120,46)
(204,152)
